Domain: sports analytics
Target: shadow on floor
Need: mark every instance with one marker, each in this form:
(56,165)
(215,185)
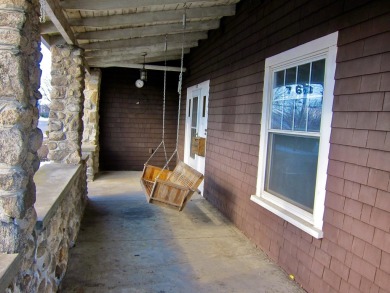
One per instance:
(128,245)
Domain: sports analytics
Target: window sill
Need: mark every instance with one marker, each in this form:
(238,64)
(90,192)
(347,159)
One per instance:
(53,182)
(289,217)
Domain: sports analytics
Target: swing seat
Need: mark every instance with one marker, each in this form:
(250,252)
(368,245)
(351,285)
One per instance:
(172,189)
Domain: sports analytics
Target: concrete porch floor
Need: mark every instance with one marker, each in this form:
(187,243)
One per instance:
(128,245)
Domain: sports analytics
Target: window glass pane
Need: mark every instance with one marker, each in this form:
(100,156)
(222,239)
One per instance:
(288,114)
(276,119)
(300,114)
(277,100)
(318,72)
(291,76)
(316,96)
(297,97)
(193,134)
(204,107)
(314,115)
(291,169)
(303,77)
(279,79)
(194,112)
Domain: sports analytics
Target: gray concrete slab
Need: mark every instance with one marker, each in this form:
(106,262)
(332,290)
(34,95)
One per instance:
(128,245)
(53,182)
(9,268)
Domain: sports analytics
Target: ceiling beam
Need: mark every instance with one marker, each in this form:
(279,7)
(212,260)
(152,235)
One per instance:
(153,30)
(189,37)
(138,66)
(122,4)
(54,12)
(47,28)
(130,52)
(133,59)
(149,49)
(153,17)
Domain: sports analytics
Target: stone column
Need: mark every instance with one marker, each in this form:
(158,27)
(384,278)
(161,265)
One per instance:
(90,144)
(19,136)
(67,98)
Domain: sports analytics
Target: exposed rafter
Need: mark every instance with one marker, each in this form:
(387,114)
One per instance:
(133,59)
(48,28)
(153,30)
(122,4)
(118,32)
(132,54)
(156,50)
(54,11)
(138,66)
(145,41)
(153,17)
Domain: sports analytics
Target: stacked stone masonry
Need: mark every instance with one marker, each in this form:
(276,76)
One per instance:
(65,118)
(52,241)
(90,142)
(19,136)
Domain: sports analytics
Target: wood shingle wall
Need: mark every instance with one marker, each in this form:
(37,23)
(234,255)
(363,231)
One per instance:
(354,255)
(131,118)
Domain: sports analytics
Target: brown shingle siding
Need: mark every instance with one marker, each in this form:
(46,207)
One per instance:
(129,129)
(348,258)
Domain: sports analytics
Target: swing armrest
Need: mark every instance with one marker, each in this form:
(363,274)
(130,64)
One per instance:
(168,183)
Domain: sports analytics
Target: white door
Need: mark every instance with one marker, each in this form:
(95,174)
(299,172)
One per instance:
(196,124)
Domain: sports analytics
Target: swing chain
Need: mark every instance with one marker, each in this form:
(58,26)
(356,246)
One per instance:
(181,80)
(165,89)
(175,152)
(42,17)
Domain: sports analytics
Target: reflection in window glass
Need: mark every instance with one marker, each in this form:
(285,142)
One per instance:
(279,79)
(297,97)
(194,112)
(288,115)
(291,76)
(304,74)
(300,114)
(318,72)
(292,168)
(193,135)
(194,122)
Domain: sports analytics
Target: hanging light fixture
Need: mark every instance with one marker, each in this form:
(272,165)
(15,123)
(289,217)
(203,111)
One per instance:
(139,83)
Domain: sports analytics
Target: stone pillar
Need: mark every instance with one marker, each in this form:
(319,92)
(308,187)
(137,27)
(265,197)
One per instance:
(67,98)
(19,136)
(90,144)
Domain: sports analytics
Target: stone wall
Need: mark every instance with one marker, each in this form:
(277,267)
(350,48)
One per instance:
(65,119)
(19,136)
(59,210)
(90,142)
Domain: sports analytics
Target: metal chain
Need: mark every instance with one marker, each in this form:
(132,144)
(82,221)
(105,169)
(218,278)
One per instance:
(42,17)
(175,152)
(165,89)
(162,143)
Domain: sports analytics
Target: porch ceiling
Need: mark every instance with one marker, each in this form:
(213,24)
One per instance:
(118,32)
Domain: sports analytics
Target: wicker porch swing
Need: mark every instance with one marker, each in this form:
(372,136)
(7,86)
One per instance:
(163,187)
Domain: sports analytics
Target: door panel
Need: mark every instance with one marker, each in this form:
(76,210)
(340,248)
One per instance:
(196,124)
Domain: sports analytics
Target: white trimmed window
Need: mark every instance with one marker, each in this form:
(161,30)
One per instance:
(295,133)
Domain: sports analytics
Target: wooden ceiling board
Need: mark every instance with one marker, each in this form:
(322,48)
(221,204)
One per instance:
(112,31)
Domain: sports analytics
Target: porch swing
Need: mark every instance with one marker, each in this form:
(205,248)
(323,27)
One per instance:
(163,187)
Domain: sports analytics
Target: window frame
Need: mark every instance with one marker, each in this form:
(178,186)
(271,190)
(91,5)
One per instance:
(322,48)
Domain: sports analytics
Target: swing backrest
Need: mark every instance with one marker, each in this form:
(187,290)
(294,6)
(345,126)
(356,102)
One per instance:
(185,175)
